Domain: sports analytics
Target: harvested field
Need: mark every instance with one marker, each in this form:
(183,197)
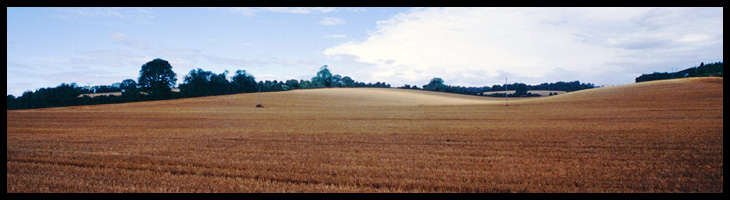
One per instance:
(658,136)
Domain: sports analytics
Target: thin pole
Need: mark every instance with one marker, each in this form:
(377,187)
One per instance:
(259,95)
(505,93)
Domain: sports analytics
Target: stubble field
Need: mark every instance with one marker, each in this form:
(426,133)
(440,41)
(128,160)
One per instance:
(660,136)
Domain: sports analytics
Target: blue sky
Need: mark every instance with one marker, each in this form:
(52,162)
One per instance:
(463,46)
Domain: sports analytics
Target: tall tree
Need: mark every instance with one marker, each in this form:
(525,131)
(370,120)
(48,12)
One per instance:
(292,84)
(520,89)
(128,84)
(348,82)
(196,83)
(336,81)
(243,82)
(436,84)
(324,76)
(157,79)
(219,84)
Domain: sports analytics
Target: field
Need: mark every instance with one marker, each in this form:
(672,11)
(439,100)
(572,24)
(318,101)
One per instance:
(658,136)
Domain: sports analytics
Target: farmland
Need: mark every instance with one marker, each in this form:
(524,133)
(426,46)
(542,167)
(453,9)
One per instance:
(657,136)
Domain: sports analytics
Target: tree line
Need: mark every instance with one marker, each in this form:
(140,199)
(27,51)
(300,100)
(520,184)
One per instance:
(712,69)
(437,84)
(156,81)
(205,83)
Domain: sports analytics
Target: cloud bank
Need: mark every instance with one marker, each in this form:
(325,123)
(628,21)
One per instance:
(482,46)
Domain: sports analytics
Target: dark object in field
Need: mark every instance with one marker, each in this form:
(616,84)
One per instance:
(259,106)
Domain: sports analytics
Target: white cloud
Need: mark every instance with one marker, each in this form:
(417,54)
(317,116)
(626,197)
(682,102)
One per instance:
(480,46)
(331,21)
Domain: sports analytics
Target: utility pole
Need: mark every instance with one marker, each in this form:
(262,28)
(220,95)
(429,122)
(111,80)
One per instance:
(259,105)
(506,104)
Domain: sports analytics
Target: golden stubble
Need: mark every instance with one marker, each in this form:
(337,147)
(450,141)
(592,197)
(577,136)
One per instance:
(659,136)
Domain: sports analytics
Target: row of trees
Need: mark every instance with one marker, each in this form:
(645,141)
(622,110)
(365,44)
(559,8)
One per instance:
(712,69)
(157,79)
(561,86)
(324,78)
(156,82)
(519,88)
(67,95)
(63,95)
(437,84)
(205,83)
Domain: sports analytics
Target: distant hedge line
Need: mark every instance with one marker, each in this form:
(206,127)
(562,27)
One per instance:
(712,69)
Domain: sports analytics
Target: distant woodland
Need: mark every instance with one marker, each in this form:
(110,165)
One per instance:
(520,89)
(157,82)
(712,69)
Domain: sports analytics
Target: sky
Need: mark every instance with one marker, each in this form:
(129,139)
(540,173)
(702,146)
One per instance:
(463,46)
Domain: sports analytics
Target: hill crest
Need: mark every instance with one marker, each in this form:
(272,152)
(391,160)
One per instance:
(674,91)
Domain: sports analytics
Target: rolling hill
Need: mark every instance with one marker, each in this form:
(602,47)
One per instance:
(657,136)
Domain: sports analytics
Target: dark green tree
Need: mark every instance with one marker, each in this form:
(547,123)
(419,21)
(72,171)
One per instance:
(292,84)
(305,84)
(219,84)
(156,78)
(348,82)
(436,84)
(520,89)
(243,82)
(336,81)
(128,84)
(11,103)
(129,90)
(323,78)
(196,83)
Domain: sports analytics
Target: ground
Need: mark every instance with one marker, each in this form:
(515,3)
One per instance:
(658,136)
